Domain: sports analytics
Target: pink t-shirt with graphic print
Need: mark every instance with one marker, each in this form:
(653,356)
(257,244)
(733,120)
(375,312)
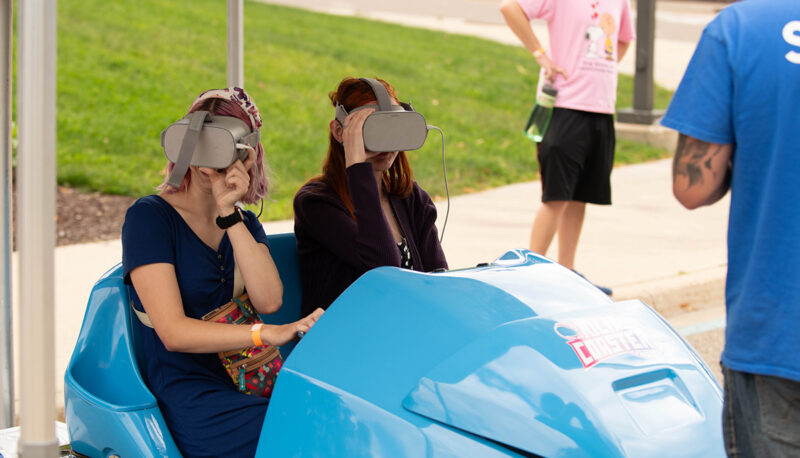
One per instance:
(583,41)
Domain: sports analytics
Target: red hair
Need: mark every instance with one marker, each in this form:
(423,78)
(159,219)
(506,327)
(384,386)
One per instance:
(259,184)
(398,180)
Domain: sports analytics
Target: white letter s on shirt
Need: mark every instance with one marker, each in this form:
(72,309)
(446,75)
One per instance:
(790,34)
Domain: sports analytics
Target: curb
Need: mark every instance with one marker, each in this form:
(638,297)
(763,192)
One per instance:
(679,294)
(651,134)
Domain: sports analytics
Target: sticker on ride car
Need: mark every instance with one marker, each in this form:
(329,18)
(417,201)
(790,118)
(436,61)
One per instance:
(596,339)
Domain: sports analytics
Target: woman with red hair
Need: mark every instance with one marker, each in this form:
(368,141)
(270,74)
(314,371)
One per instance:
(180,250)
(364,211)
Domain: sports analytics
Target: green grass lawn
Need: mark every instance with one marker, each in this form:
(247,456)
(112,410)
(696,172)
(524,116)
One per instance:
(128,69)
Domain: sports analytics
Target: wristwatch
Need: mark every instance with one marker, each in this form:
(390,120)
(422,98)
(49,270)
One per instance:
(225,222)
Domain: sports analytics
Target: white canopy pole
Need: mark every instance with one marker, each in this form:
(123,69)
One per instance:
(36,212)
(6,229)
(235,43)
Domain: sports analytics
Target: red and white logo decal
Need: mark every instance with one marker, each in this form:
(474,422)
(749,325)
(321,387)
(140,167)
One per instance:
(596,339)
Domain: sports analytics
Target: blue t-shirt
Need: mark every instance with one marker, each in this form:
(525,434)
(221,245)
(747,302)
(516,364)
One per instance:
(742,87)
(205,413)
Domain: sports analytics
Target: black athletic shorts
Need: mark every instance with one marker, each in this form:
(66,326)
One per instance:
(576,156)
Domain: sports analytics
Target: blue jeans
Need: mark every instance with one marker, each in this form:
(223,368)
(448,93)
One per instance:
(761,415)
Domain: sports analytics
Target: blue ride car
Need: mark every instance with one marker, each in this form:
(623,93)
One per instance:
(520,357)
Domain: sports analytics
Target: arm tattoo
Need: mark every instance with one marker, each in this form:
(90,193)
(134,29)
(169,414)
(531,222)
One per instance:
(693,158)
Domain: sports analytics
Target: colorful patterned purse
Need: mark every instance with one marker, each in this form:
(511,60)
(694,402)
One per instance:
(253,369)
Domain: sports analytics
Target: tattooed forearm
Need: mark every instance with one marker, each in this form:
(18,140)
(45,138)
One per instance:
(722,189)
(700,171)
(693,159)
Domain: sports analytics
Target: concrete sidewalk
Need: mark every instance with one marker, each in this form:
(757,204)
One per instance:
(645,245)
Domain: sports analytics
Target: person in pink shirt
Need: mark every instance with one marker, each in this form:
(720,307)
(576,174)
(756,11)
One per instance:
(587,39)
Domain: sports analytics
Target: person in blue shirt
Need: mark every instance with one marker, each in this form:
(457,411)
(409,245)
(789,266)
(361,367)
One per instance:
(737,110)
(180,261)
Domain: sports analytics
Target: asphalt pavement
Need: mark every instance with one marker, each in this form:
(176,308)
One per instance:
(644,246)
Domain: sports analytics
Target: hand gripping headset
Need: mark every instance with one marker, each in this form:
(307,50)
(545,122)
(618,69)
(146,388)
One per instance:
(395,128)
(390,127)
(204,140)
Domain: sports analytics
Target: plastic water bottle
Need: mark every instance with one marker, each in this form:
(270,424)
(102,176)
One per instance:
(541,114)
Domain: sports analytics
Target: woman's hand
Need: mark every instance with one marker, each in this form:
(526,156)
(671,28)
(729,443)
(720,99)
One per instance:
(281,335)
(353,136)
(230,185)
(551,70)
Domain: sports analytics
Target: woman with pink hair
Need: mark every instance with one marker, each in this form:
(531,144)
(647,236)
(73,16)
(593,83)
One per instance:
(180,249)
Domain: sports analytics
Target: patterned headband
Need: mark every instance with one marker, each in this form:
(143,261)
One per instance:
(236,95)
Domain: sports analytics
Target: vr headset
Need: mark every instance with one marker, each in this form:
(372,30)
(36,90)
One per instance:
(203,140)
(390,127)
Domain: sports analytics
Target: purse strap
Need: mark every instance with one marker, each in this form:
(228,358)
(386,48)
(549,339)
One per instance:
(142,316)
(238,290)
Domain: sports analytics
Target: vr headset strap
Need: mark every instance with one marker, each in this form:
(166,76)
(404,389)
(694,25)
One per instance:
(384,101)
(196,121)
(251,139)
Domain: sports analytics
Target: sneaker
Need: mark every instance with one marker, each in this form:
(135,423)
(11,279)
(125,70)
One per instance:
(605,289)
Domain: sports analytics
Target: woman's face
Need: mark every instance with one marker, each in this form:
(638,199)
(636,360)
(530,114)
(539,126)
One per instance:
(381,162)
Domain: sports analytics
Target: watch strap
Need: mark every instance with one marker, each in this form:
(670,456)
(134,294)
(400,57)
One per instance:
(224,222)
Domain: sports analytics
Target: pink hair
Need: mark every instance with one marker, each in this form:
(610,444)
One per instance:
(259,184)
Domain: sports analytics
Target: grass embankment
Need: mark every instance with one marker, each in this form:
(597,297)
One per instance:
(128,69)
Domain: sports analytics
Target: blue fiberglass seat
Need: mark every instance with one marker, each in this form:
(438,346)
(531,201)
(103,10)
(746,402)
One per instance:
(283,248)
(109,409)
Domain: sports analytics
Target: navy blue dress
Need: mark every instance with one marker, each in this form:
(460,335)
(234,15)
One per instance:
(204,412)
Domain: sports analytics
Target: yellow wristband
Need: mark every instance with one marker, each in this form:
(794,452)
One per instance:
(256,334)
(538,53)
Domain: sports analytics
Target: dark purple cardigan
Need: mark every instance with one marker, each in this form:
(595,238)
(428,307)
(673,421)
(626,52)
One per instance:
(334,249)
